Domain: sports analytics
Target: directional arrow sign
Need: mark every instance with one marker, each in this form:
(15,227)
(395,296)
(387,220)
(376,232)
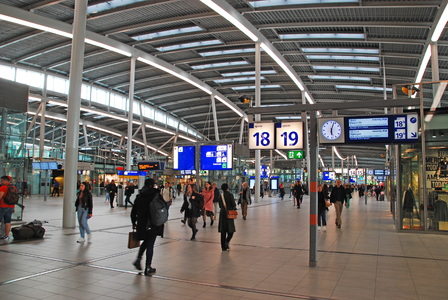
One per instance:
(295,154)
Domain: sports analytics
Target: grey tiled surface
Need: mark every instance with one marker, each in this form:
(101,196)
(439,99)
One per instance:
(365,259)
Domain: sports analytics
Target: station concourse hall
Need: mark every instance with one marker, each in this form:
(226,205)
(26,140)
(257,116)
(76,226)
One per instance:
(255,149)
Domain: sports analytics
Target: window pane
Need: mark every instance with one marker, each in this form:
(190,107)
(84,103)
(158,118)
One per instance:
(57,84)
(118,101)
(7,72)
(148,112)
(160,117)
(182,127)
(136,108)
(85,92)
(100,96)
(172,122)
(30,78)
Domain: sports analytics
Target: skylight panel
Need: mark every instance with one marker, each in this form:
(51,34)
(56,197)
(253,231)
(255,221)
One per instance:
(272,86)
(248,73)
(109,5)
(344,57)
(294,2)
(344,68)
(322,36)
(189,45)
(369,88)
(217,65)
(224,52)
(339,77)
(166,33)
(237,79)
(341,50)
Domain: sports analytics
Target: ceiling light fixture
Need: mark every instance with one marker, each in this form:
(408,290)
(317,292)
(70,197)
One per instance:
(423,65)
(337,153)
(230,18)
(440,25)
(229,106)
(187,138)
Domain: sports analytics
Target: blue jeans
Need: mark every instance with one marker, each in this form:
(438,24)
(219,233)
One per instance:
(323,217)
(5,214)
(107,196)
(82,221)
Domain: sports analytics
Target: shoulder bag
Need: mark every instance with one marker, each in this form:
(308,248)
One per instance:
(231,214)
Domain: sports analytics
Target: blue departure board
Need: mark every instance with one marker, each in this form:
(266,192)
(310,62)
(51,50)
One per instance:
(184,157)
(216,157)
(327,176)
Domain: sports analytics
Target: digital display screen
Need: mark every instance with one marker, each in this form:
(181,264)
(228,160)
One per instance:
(52,165)
(184,157)
(368,129)
(386,172)
(44,166)
(352,180)
(274,184)
(328,176)
(149,165)
(378,172)
(36,166)
(216,157)
(252,183)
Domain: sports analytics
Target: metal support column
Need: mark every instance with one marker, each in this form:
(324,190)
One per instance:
(42,129)
(313,180)
(144,141)
(215,118)
(435,68)
(306,160)
(271,169)
(384,85)
(423,138)
(348,170)
(241,131)
(131,114)
(365,185)
(3,127)
(342,166)
(84,130)
(73,116)
(257,118)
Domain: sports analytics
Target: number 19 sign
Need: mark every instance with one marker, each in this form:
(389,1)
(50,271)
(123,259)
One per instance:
(289,135)
(261,136)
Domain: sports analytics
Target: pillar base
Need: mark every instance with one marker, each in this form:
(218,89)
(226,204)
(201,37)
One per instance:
(313,264)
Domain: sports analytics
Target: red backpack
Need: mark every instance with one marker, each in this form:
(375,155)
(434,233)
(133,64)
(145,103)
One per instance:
(11,197)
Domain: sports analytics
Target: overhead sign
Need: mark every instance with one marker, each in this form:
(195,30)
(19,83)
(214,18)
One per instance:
(359,172)
(352,172)
(148,165)
(216,157)
(378,172)
(289,135)
(331,130)
(184,157)
(295,154)
(386,172)
(327,176)
(388,129)
(261,136)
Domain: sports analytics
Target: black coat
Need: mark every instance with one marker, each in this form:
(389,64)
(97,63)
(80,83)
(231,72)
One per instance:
(195,210)
(129,190)
(338,194)
(88,204)
(140,215)
(321,202)
(225,224)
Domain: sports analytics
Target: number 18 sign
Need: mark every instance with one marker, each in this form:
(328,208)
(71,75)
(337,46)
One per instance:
(261,136)
(289,135)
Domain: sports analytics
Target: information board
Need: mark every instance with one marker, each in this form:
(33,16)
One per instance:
(359,172)
(44,166)
(148,165)
(378,172)
(36,166)
(216,157)
(274,184)
(352,172)
(327,176)
(52,165)
(289,135)
(387,129)
(261,136)
(184,157)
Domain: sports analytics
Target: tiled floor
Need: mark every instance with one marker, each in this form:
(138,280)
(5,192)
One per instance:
(366,259)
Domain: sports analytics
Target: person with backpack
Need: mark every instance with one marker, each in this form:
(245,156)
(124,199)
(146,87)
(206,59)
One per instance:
(128,191)
(84,208)
(8,199)
(193,204)
(141,218)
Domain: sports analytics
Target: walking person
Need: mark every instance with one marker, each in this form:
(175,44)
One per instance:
(282,191)
(216,196)
(140,214)
(322,197)
(244,199)
(208,194)
(112,187)
(298,193)
(128,191)
(84,208)
(226,226)
(348,193)
(106,189)
(192,206)
(338,197)
(167,194)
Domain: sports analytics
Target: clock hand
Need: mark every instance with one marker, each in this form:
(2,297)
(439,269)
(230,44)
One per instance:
(331,130)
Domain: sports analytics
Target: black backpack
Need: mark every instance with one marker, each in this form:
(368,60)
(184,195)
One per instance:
(11,196)
(157,211)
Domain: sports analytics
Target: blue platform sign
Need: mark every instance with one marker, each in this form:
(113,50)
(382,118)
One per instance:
(184,157)
(216,157)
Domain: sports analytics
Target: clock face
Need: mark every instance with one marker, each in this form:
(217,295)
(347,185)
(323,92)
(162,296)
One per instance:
(331,130)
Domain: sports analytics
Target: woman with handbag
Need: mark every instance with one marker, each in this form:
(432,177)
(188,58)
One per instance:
(322,207)
(226,225)
(193,203)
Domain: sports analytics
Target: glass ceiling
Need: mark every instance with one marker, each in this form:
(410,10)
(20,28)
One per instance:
(322,36)
(109,5)
(224,52)
(248,73)
(343,68)
(341,50)
(295,2)
(189,45)
(166,33)
(216,65)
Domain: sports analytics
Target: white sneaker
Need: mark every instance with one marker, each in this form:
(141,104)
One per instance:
(81,240)
(318,228)
(89,238)
(324,228)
